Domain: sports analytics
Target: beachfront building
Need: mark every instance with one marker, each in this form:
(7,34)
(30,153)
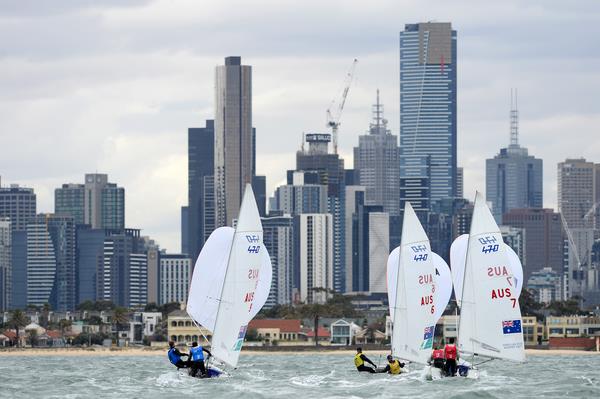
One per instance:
(276,331)
(182,330)
(343,332)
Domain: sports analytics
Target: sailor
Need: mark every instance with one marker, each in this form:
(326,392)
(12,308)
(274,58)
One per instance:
(197,360)
(359,362)
(437,357)
(451,355)
(393,367)
(175,357)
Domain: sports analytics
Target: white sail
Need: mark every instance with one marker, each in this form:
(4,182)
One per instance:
(207,281)
(443,286)
(458,258)
(414,304)
(240,283)
(209,274)
(490,318)
(442,281)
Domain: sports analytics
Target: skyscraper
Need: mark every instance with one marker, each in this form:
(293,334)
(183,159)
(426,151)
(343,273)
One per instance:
(233,137)
(370,248)
(97,202)
(577,192)
(330,171)
(278,237)
(314,256)
(376,159)
(201,164)
(513,177)
(51,275)
(104,203)
(5,264)
(18,204)
(543,238)
(175,275)
(428,66)
(123,275)
(69,200)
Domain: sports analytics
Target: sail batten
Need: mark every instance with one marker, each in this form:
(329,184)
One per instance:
(490,318)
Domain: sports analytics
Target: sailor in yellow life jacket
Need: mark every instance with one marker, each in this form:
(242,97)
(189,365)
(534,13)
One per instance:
(359,362)
(394,366)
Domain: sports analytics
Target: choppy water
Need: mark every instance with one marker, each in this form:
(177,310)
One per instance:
(289,376)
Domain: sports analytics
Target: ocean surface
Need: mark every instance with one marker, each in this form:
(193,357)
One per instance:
(301,376)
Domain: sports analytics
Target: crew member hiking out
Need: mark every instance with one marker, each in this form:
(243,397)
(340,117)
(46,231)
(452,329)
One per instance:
(393,367)
(451,356)
(175,357)
(437,357)
(197,361)
(359,362)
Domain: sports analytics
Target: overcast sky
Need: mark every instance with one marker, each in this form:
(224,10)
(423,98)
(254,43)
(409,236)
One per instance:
(112,86)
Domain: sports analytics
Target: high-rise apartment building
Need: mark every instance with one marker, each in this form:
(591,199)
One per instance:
(278,237)
(97,202)
(330,171)
(122,277)
(300,197)
(5,264)
(370,248)
(233,138)
(578,197)
(175,275)
(376,159)
(104,203)
(51,270)
(513,177)
(543,238)
(314,256)
(201,164)
(18,204)
(70,200)
(89,259)
(428,66)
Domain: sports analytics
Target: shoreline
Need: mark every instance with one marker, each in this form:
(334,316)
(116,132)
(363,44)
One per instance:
(162,352)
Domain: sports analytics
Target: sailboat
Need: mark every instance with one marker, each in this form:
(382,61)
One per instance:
(490,317)
(231,283)
(419,288)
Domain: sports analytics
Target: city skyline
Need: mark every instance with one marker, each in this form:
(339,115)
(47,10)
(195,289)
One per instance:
(98,111)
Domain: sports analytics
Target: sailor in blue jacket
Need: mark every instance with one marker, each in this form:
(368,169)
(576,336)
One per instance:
(175,357)
(197,360)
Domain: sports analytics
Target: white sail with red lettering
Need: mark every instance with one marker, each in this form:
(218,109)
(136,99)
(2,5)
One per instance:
(442,281)
(490,318)
(458,257)
(240,288)
(413,306)
(209,274)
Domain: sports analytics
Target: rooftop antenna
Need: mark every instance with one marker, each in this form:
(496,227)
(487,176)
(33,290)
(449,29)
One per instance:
(514,119)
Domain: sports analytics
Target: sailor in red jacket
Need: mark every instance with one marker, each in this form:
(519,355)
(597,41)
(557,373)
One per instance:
(437,357)
(451,355)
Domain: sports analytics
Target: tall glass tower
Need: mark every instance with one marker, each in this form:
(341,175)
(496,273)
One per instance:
(427,114)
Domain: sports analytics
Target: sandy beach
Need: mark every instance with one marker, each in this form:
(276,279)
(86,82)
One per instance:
(132,352)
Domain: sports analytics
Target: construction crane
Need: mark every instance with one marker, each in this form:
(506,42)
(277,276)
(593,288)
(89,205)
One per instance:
(333,117)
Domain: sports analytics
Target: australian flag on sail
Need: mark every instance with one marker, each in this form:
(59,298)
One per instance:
(511,326)
(428,333)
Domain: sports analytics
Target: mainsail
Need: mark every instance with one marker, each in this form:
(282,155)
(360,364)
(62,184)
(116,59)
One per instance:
(458,260)
(490,317)
(413,306)
(209,273)
(231,281)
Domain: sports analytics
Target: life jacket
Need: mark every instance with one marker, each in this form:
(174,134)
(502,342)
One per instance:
(197,354)
(395,367)
(173,356)
(358,360)
(438,354)
(450,352)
